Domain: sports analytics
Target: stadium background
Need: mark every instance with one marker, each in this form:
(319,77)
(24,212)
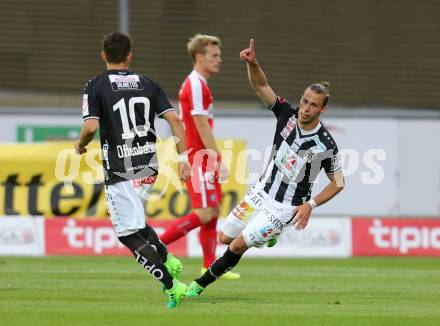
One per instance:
(375,53)
(381,58)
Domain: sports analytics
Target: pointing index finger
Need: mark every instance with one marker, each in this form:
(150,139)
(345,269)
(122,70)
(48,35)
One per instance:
(252,44)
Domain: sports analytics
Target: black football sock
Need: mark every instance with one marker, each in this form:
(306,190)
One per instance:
(150,235)
(222,265)
(148,258)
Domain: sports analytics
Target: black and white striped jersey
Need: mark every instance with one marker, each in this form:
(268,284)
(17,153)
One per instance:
(126,104)
(298,157)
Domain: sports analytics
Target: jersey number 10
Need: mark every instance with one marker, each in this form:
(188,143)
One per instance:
(127,132)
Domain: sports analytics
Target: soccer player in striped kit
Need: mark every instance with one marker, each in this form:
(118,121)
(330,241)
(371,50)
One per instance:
(196,112)
(282,197)
(123,105)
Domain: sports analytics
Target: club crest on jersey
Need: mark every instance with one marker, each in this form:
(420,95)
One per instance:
(213,198)
(290,125)
(310,155)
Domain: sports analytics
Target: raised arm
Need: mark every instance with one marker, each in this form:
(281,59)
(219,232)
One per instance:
(256,75)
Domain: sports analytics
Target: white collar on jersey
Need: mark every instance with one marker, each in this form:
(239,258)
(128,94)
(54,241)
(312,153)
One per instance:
(198,75)
(313,131)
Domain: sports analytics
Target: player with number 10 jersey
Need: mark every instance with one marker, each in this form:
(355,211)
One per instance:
(123,105)
(126,104)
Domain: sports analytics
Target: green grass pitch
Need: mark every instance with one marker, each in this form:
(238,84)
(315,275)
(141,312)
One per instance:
(116,291)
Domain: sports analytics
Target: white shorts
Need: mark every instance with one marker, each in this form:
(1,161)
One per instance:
(259,217)
(126,206)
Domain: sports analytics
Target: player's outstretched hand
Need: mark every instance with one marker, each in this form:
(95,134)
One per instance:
(184,171)
(248,54)
(79,149)
(302,216)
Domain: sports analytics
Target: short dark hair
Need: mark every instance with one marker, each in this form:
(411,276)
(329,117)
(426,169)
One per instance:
(321,88)
(116,46)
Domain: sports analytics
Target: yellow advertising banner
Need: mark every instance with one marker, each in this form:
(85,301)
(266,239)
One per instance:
(49,179)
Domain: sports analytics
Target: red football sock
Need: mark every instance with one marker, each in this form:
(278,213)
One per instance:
(180,227)
(208,241)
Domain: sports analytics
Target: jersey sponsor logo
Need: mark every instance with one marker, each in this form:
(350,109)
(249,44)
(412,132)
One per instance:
(126,151)
(85,105)
(243,210)
(266,231)
(255,199)
(290,126)
(122,83)
(279,225)
(288,161)
(144,181)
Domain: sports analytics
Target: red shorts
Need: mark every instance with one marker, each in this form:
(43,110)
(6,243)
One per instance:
(204,188)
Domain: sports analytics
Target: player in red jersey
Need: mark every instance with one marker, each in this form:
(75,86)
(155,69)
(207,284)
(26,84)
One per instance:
(196,112)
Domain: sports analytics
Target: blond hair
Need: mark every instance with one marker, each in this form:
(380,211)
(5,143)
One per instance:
(322,88)
(199,42)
